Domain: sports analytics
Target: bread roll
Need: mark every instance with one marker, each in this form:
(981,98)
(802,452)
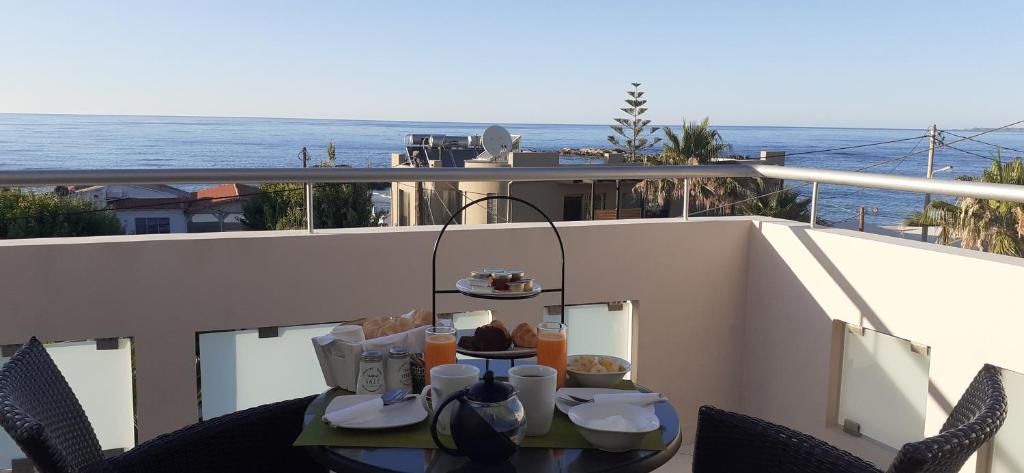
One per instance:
(405,324)
(371,328)
(391,326)
(422,317)
(525,336)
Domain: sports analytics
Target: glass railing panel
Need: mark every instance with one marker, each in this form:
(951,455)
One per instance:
(238,369)
(884,387)
(102,380)
(1007,454)
(601,329)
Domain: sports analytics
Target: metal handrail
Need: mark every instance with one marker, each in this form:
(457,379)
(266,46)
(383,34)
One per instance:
(982,190)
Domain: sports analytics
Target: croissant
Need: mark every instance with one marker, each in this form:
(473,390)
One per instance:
(524,336)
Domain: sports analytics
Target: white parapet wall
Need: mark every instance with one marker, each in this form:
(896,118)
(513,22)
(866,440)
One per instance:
(962,304)
(686,279)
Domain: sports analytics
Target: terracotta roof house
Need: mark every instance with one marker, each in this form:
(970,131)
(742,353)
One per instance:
(218,208)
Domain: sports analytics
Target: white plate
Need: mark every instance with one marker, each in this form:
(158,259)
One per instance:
(396,415)
(465,287)
(587,393)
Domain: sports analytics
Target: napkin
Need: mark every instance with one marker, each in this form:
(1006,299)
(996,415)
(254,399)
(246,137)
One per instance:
(637,399)
(355,413)
(615,423)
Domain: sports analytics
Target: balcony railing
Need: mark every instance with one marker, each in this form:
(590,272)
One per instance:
(311,176)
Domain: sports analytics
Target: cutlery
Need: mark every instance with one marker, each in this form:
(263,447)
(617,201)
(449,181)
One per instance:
(395,396)
(576,400)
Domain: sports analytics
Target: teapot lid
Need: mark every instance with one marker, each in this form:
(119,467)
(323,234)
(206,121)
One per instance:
(490,390)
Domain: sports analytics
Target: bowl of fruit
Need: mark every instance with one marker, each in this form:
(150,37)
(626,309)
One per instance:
(596,371)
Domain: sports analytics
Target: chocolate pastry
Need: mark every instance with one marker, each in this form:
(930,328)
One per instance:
(467,342)
(491,338)
(499,324)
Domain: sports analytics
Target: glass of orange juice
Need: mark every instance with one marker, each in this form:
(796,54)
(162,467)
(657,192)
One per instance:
(439,348)
(551,348)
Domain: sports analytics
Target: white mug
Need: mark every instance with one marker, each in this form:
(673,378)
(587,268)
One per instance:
(446,380)
(536,386)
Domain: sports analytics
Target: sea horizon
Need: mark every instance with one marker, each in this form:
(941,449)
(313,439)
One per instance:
(661,125)
(90,141)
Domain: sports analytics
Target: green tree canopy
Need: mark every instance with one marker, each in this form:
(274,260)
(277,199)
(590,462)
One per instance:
(983,224)
(632,135)
(282,206)
(769,200)
(43,215)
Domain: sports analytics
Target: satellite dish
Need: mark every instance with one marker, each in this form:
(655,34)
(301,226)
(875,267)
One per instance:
(497,142)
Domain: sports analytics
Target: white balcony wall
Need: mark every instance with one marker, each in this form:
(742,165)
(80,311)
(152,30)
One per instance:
(735,312)
(193,283)
(958,302)
(102,382)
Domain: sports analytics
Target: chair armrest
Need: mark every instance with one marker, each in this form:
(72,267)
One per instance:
(734,443)
(254,440)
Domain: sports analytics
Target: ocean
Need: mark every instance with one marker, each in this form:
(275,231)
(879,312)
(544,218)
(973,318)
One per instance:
(31,141)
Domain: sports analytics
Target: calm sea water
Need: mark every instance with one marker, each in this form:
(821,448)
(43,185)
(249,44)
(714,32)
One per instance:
(109,142)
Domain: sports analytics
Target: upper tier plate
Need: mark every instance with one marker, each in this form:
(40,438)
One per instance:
(486,292)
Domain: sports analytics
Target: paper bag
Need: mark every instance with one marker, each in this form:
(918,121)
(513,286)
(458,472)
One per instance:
(339,360)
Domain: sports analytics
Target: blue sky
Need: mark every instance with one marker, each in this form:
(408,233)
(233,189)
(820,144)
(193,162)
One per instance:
(854,63)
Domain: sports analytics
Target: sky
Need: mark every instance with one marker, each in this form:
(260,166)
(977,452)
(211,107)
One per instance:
(862,63)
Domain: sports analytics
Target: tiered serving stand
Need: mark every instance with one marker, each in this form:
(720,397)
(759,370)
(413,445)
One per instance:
(513,354)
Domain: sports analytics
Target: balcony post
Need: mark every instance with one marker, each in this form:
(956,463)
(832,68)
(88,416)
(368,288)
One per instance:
(686,199)
(309,207)
(814,204)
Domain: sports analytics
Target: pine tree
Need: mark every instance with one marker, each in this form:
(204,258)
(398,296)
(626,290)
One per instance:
(633,130)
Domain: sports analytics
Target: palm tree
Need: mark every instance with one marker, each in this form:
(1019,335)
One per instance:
(774,202)
(983,224)
(696,143)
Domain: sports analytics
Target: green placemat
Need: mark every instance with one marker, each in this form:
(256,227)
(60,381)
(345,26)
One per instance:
(563,433)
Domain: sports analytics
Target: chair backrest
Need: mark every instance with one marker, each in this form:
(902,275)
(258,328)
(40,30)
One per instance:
(42,414)
(976,418)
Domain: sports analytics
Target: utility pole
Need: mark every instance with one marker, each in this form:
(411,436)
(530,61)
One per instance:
(932,136)
(860,214)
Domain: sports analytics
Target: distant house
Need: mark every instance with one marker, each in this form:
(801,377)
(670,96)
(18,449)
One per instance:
(141,209)
(218,209)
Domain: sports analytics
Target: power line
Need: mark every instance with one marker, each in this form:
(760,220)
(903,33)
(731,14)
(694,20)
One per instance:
(971,153)
(983,142)
(854,146)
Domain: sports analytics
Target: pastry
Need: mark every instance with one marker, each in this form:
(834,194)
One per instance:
(491,338)
(467,342)
(390,326)
(371,327)
(422,317)
(524,336)
(501,325)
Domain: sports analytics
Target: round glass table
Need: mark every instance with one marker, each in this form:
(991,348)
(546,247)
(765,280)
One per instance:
(526,460)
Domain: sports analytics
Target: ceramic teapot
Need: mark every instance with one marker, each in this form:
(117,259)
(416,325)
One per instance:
(488,423)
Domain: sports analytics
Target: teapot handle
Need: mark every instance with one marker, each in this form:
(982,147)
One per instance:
(460,395)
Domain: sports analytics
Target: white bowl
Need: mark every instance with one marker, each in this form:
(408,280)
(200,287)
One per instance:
(597,380)
(611,439)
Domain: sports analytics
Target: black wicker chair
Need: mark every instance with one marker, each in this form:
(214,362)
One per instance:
(42,414)
(734,443)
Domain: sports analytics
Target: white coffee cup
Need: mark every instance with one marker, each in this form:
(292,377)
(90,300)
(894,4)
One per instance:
(446,380)
(536,386)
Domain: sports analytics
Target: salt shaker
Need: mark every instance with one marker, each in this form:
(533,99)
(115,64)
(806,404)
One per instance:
(398,375)
(371,373)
